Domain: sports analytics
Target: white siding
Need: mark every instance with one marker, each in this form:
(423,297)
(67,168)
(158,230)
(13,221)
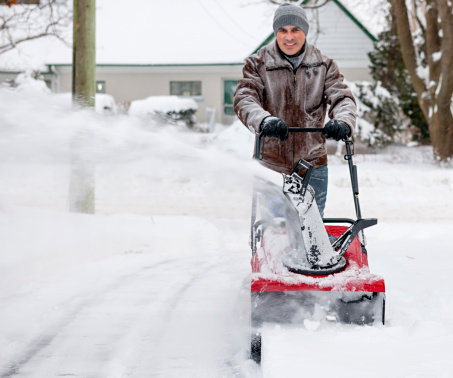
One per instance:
(341,39)
(128,83)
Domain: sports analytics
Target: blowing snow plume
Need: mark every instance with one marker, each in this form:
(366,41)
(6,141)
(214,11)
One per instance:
(139,167)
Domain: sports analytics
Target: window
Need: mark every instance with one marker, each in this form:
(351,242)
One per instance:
(100,86)
(229,87)
(185,88)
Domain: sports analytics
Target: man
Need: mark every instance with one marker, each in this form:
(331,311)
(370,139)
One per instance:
(289,83)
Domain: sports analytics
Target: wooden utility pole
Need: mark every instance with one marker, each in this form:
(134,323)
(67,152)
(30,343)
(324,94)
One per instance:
(81,190)
(84,52)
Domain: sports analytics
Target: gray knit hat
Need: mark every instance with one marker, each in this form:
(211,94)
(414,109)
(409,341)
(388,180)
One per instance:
(289,14)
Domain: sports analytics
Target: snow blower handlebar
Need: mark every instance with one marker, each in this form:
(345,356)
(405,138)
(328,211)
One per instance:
(259,154)
(259,142)
(354,177)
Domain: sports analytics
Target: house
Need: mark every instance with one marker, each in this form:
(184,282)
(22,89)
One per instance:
(195,48)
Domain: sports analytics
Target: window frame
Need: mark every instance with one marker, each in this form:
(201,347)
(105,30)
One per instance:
(195,88)
(104,90)
(225,102)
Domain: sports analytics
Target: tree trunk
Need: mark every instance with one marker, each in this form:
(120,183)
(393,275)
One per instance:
(82,188)
(435,95)
(441,131)
(409,53)
(441,123)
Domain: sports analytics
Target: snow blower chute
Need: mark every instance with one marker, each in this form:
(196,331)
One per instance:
(303,266)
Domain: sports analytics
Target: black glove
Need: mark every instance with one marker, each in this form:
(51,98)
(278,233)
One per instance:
(274,127)
(336,130)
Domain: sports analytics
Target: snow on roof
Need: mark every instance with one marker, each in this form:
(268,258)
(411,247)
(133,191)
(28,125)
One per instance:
(370,13)
(180,31)
(141,32)
(164,32)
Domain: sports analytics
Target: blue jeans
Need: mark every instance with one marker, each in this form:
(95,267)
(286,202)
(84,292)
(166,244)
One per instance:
(318,181)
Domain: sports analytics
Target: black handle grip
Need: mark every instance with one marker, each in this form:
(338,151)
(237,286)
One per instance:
(259,142)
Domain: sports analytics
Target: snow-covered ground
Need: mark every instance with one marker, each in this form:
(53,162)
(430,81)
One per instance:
(155,284)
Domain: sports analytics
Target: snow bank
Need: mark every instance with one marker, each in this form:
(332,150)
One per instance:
(236,139)
(28,84)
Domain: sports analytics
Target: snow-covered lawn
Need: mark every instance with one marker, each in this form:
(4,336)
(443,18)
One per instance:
(155,284)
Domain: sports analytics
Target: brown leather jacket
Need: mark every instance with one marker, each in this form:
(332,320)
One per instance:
(270,87)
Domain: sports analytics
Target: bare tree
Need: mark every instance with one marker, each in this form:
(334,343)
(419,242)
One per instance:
(26,20)
(427,50)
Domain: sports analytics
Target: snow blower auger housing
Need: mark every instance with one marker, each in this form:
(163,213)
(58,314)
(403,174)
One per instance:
(303,266)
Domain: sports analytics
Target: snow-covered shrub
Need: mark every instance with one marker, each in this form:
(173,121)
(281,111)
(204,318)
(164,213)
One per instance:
(30,81)
(387,66)
(379,115)
(165,109)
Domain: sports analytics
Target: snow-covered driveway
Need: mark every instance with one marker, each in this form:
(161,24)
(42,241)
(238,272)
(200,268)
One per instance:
(155,284)
(133,315)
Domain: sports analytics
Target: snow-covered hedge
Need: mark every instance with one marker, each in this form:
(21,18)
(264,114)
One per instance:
(30,81)
(165,109)
(380,118)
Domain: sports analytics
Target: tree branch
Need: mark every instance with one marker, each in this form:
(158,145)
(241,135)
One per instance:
(307,6)
(13,44)
(317,6)
(19,24)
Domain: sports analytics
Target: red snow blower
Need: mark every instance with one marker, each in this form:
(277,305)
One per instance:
(304,266)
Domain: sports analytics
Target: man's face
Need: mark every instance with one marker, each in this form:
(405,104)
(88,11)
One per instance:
(290,39)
